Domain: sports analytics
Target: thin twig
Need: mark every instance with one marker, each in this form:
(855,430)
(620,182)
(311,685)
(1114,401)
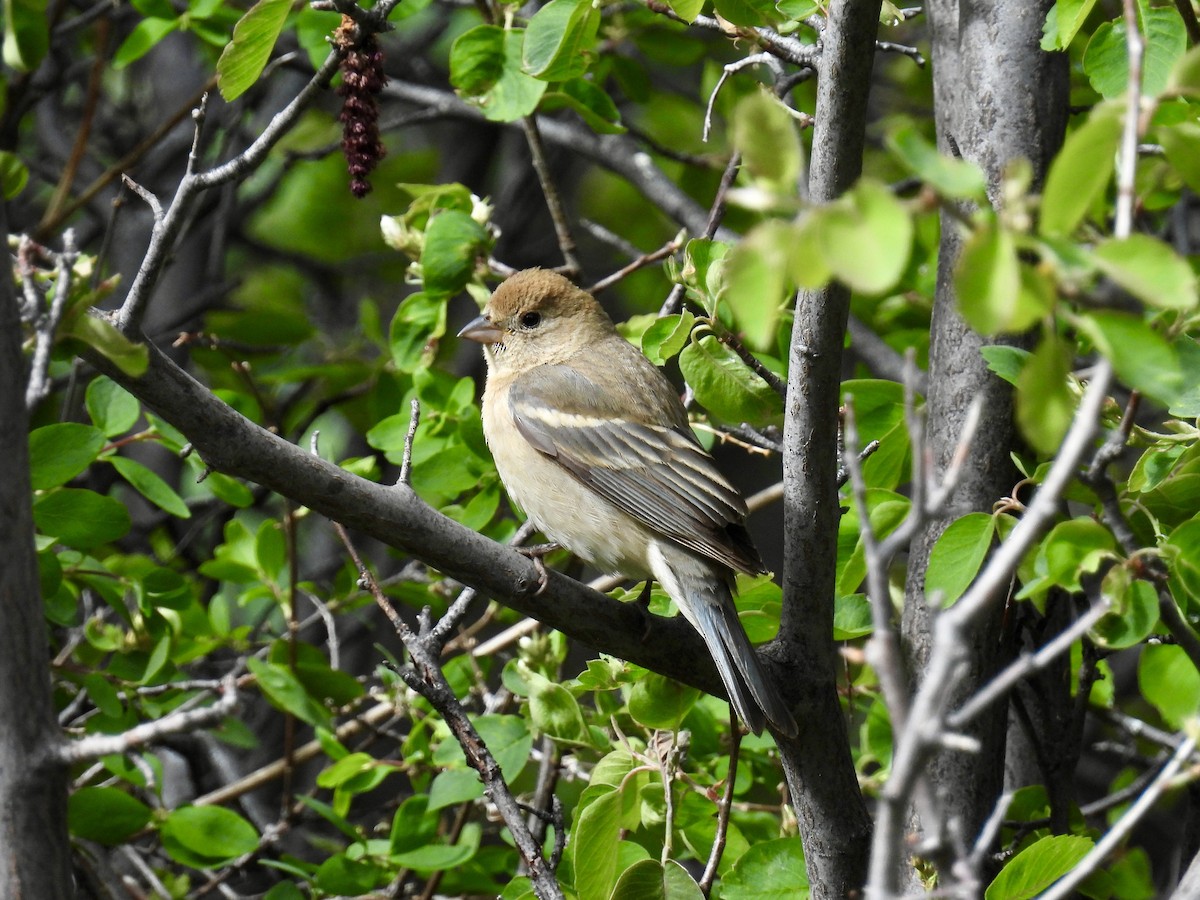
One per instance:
(182,720)
(38,385)
(424,675)
(915,744)
(170,223)
(1025,665)
(668,249)
(562,228)
(405,477)
(1091,862)
(1135,46)
(732,68)
(903,49)
(723,809)
(774,382)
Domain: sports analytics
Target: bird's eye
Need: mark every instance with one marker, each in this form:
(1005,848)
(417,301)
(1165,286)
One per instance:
(531,320)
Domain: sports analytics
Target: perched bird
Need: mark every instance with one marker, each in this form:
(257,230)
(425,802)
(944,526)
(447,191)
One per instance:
(592,442)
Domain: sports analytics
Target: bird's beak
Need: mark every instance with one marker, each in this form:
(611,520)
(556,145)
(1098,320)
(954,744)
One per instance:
(482,330)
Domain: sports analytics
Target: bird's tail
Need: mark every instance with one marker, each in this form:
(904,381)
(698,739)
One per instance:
(707,602)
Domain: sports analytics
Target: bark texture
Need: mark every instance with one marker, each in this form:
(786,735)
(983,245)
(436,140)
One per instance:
(998,98)
(833,819)
(34,850)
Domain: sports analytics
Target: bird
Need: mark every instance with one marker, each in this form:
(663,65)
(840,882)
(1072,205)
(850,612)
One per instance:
(592,442)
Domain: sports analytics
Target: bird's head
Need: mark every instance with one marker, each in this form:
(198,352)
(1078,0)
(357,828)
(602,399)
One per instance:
(535,318)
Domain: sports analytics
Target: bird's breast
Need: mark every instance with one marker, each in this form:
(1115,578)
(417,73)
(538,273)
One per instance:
(564,509)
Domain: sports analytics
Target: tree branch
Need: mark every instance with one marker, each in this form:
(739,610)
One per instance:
(230,443)
(833,819)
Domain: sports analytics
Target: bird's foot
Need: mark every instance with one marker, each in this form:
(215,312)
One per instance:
(537,554)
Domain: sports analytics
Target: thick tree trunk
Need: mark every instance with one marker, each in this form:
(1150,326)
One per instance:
(998,98)
(34,851)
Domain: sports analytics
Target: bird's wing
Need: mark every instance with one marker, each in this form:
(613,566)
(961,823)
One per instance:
(659,475)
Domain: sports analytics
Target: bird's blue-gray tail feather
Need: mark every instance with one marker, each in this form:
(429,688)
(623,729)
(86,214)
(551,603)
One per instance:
(751,690)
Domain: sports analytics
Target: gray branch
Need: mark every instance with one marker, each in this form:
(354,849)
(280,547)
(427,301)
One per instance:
(232,444)
(616,152)
(833,819)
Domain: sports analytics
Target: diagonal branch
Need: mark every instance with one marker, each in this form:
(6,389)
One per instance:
(232,444)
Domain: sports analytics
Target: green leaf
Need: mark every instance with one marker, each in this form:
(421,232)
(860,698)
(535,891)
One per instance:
(987,282)
(144,38)
(1133,613)
(207,836)
(648,879)
(764,132)
(724,385)
(166,589)
(1081,172)
(1063,22)
(660,702)
(886,510)
(667,336)
(1038,866)
(284,690)
(590,102)
(555,711)
(343,770)
(1071,550)
(851,617)
(441,857)
(413,825)
(343,876)
(1149,269)
(285,890)
(1106,60)
(1005,361)
(151,486)
(254,37)
(1179,143)
(14,174)
(594,846)
(757,287)
(559,38)
(509,740)
(866,237)
(477,59)
(79,518)
(1185,76)
(106,815)
(416,328)
(113,409)
(454,786)
(26,34)
(485,67)
(57,453)
(1183,549)
(1169,680)
(958,555)
(1141,357)
(747,12)
(703,271)
(769,870)
(1045,403)
(950,177)
(686,9)
(131,358)
(809,268)
(453,243)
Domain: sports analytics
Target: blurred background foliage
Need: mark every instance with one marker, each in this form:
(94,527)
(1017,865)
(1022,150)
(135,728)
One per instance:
(288,298)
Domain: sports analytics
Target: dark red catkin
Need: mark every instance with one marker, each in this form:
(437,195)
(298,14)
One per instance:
(362,80)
